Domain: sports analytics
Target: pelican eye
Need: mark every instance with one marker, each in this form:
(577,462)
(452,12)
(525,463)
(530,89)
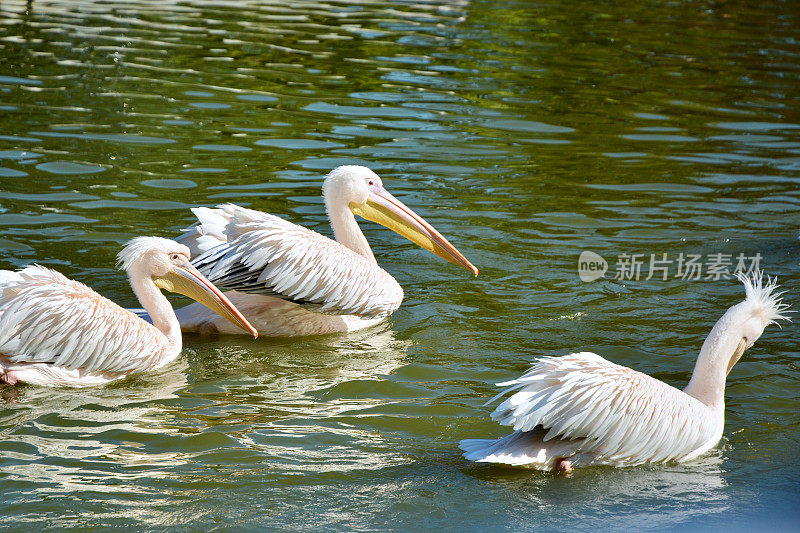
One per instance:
(175,257)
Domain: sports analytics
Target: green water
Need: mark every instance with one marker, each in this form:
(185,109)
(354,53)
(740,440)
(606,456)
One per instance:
(525,132)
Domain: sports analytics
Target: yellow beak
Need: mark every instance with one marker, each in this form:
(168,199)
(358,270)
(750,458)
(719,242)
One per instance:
(185,279)
(386,210)
(737,354)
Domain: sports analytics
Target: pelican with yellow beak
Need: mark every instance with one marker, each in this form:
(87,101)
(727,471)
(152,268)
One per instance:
(582,410)
(56,331)
(291,281)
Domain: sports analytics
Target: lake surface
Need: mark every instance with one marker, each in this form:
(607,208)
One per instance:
(527,133)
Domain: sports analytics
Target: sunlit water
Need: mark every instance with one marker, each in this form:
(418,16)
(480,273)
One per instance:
(526,133)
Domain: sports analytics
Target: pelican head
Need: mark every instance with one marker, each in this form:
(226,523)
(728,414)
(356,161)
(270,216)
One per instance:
(362,191)
(742,324)
(166,262)
(736,331)
(761,307)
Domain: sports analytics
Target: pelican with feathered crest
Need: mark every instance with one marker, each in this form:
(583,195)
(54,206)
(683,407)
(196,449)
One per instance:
(581,410)
(291,281)
(56,331)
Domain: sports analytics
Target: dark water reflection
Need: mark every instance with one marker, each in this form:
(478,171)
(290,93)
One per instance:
(526,132)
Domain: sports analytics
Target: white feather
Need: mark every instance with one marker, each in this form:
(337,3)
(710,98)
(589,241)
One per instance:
(290,262)
(587,410)
(40,297)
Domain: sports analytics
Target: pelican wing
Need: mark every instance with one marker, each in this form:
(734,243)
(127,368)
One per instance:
(623,416)
(250,251)
(47,318)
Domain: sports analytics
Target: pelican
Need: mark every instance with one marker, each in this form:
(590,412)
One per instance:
(581,410)
(290,281)
(56,331)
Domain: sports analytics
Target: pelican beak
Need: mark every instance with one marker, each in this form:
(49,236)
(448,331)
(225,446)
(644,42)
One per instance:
(386,210)
(737,354)
(185,279)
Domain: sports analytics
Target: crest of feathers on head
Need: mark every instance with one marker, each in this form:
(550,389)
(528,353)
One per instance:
(762,295)
(138,247)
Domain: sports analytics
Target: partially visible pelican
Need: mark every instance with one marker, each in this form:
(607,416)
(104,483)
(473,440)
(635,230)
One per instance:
(581,410)
(56,331)
(288,280)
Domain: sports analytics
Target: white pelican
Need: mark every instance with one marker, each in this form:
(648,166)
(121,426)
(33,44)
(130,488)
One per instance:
(288,280)
(56,331)
(581,410)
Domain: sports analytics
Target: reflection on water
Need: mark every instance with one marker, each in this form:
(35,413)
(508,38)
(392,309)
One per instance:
(68,440)
(287,405)
(525,132)
(640,497)
(118,439)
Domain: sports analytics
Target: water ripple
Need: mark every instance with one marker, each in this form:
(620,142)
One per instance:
(525,133)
